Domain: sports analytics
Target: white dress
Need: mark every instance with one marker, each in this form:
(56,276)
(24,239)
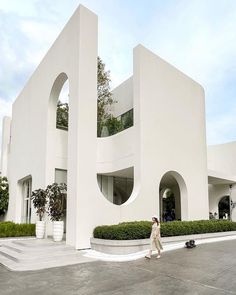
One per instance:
(156,237)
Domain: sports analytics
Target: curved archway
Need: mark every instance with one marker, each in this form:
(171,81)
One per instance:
(58,99)
(224,208)
(173,202)
(57,165)
(117,186)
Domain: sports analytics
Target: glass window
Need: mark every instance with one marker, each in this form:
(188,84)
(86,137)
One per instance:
(26,191)
(60,176)
(127,119)
(116,189)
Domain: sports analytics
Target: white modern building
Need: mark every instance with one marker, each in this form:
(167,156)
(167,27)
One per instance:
(159,165)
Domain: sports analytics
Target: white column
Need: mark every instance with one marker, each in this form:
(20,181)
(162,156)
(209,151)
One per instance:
(6,135)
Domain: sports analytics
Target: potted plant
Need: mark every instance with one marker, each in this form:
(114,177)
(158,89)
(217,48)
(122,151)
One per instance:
(39,199)
(4,195)
(56,195)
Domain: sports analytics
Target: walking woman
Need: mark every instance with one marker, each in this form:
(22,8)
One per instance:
(155,238)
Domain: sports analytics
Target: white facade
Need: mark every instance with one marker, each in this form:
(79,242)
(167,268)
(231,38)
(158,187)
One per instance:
(164,150)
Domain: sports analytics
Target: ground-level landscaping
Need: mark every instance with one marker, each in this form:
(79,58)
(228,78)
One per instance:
(142,229)
(11,229)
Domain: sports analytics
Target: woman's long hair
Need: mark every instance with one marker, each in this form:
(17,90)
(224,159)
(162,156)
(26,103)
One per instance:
(156,220)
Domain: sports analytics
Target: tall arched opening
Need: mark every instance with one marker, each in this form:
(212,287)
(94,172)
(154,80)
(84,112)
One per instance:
(58,118)
(224,208)
(173,197)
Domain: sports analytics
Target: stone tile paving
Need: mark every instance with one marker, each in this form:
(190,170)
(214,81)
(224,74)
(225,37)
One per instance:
(207,269)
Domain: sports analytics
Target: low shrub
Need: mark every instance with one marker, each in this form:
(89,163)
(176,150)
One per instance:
(11,229)
(142,229)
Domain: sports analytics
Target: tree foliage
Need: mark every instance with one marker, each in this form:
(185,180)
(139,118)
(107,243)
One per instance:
(4,195)
(104,103)
(39,199)
(105,99)
(62,115)
(113,125)
(56,195)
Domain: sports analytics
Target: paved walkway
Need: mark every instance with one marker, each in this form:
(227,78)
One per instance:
(207,269)
(36,254)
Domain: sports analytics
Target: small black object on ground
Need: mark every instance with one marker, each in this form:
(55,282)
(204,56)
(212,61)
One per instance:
(190,244)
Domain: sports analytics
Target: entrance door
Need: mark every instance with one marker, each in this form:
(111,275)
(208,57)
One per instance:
(61,177)
(224,208)
(26,193)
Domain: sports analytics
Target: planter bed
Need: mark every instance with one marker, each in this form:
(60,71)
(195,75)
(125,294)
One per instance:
(123,247)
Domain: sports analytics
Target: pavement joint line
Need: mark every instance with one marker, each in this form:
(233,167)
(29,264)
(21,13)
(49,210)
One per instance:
(223,271)
(144,269)
(138,255)
(94,255)
(198,283)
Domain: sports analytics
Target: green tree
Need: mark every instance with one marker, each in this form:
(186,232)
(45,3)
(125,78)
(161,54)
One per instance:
(4,195)
(62,115)
(105,99)
(113,125)
(56,194)
(104,103)
(39,199)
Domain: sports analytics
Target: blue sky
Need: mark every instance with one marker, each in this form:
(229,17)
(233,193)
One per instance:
(198,37)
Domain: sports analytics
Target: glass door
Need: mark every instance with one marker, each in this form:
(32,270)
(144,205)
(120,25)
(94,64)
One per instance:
(27,189)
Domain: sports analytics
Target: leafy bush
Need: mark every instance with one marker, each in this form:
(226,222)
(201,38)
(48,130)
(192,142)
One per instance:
(11,229)
(142,229)
(4,195)
(56,195)
(39,199)
(113,125)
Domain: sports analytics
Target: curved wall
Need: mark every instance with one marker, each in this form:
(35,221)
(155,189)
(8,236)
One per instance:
(115,152)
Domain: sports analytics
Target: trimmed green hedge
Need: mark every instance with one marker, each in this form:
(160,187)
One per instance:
(11,229)
(142,229)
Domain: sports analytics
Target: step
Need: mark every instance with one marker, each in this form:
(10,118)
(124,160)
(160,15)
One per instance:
(8,255)
(49,264)
(35,256)
(8,263)
(37,242)
(37,263)
(12,248)
(29,248)
(23,255)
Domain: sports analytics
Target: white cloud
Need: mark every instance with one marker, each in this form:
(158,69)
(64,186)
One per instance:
(38,46)
(196,36)
(21,8)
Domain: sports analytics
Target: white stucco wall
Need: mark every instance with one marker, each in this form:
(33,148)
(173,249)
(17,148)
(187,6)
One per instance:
(35,140)
(169,116)
(123,95)
(116,152)
(216,192)
(168,134)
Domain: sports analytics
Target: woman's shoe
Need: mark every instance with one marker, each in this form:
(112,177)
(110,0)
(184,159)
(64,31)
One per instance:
(158,256)
(147,257)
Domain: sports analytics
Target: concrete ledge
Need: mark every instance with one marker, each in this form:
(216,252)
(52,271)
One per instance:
(123,247)
(119,247)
